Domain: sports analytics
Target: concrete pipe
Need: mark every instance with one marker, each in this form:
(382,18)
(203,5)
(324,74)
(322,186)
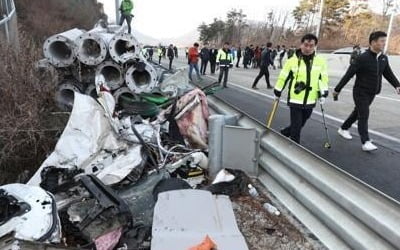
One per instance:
(112,73)
(59,49)
(123,92)
(91,91)
(113,28)
(141,78)
(122,44)
(65,94)
(91,47)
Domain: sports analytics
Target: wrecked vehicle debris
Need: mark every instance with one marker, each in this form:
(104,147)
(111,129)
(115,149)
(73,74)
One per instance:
(30,213)
(131,169)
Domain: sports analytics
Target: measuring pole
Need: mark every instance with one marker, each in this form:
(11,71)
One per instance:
(117,17)
(321,10)
(389,32)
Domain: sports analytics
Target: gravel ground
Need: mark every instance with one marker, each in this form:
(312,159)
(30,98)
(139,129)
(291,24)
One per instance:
(264,231)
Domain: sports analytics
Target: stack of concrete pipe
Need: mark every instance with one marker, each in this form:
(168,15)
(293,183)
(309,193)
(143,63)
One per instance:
(79,56)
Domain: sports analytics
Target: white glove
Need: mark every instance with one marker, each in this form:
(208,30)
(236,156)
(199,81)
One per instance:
(322,100)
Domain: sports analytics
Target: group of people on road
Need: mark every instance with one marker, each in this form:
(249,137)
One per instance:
(252,57)
(221,60)
(305,75)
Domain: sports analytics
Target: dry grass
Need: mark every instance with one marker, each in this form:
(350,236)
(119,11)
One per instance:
(43,18)
(26,99)
(28,130)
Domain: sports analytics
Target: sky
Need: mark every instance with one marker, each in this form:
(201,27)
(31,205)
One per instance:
(174,18)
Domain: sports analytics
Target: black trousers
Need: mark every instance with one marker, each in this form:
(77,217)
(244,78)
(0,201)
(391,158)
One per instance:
(263,72)
(298,118)
(170,62)
(245,62)
(128,19)
(238,61)
(203,67)
(362,101)
(212,66)
(280,62)
(223,72)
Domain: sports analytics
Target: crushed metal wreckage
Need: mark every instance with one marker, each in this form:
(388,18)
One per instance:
(115,172)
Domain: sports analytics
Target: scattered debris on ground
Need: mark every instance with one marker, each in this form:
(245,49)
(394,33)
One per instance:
(131,169)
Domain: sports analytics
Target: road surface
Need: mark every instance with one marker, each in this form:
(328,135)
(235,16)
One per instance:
(380,169)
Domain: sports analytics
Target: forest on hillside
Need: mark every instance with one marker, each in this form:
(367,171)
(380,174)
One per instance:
(344,23)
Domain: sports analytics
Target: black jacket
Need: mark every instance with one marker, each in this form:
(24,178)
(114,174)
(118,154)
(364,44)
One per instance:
(239,53)
(266,58)
(170,53)
(369,68)
(213,55)
(205,54)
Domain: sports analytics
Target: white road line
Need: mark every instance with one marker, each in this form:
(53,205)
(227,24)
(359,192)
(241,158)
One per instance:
(378,96)
(374,132)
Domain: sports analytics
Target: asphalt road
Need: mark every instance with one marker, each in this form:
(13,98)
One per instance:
(380,169)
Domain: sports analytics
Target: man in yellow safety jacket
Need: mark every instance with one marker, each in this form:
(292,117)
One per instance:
(306,74)
(224,61)
(159,54)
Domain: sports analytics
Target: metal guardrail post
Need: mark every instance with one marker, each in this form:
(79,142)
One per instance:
(6,29)
(9,8)
(342,211)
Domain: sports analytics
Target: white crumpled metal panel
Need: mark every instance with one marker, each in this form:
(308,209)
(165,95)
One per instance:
(89,140)
(183,218)
(38,220)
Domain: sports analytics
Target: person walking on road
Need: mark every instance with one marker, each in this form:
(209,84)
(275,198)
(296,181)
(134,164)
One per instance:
(213,59)
(355,54)
(224,61)
(307,76)
(274,53)
(170,55)
(176,51)
(239,55)
(368,68)
(265,62)
(257,57)
(205,57)
(282,55)
(193,56)
(150,52)
(246,57)
(160,54)
(126,8)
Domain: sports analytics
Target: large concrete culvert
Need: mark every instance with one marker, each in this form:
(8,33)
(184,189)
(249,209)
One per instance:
(59,49)
(92,48)
(65,94)
(121,44)
(123,94)
(141,79)
(112,73)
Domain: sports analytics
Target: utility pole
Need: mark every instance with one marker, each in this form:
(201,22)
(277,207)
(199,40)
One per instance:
(117,17)
(321,10)
(392,16)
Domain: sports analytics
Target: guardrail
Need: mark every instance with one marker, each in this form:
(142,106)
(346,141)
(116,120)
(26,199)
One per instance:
(342,211)
(8,22)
